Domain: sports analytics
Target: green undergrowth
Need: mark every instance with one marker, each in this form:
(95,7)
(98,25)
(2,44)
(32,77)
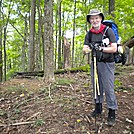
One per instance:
(118,84)
(63,81)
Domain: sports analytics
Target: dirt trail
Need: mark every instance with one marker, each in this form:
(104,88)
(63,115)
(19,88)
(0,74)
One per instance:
(29,107)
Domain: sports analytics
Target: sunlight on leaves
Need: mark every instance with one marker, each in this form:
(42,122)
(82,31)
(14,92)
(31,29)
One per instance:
(117,83)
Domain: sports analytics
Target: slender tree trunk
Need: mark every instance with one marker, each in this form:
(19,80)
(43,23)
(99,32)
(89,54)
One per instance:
(104,6)
(23,54)
(66,53)
(38,59)
(48,42)
(31,54)
(111,7)
(86,5)
(62,40)
(4,41)
(56,38)
(73,33)
(133,55)
(1,74)
(5,55)
(59,40)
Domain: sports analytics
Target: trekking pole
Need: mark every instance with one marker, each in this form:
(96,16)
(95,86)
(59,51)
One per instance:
(96,83)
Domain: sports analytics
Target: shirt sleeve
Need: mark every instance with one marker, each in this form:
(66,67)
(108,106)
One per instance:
(111,36)
(86,41)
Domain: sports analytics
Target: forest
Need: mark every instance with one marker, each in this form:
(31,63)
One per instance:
(45,84)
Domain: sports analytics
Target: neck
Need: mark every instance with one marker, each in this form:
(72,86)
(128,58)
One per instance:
(97,28)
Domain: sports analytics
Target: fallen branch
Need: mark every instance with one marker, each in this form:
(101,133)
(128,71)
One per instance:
(71,86)
(16,124)
(34,115)
(89,102)
(87,119)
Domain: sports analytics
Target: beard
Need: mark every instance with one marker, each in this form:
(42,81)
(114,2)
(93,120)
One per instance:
(96,26)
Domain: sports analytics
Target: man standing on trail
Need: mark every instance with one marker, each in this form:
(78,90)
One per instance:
(105,46)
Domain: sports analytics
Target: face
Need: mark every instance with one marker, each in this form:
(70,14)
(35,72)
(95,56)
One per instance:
(95,21)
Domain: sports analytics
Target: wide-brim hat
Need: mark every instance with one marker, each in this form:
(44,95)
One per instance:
(94,12)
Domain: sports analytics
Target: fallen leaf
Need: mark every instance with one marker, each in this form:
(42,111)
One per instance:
(22,95)
(128,120)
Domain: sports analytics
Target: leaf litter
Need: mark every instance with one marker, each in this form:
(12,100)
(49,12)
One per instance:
(30,107)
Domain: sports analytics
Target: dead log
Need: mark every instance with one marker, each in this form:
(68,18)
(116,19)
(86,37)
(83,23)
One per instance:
(85,68)
(129,43)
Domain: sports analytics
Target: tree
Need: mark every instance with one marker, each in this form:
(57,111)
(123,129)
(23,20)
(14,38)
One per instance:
(31,54)
(38,47)
(59,40)
(48,42)
(73,32)
(112,7)
(24,44)
(0,44)
(66,53)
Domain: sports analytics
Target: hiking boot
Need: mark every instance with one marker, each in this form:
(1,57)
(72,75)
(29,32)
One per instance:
(111,117)
(97,111)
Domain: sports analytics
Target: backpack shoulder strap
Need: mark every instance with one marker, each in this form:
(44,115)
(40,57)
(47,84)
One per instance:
(104,33)
(90,36)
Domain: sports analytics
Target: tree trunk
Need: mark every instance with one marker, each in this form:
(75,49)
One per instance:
(56,38)
(48,42)
(133,56)
(111,7)
(24,46)
(1,74)
(59,40)
(5,55)
(31,54)
(38,59)
(66,53)
(73,33)
(4,41)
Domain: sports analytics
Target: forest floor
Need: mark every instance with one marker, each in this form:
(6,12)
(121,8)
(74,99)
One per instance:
(28,106)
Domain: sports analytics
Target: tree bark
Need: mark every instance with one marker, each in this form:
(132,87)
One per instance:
(48,42)
(31,54)
(56,38)
(66,53)
(38,59)
(112,7)
(24,46)
(73,33)
(59,39)
(0,45)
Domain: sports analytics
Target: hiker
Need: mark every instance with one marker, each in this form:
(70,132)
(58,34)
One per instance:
(105,62)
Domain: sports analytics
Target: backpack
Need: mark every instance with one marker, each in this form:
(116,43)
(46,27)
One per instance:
(114,27)
(118,57)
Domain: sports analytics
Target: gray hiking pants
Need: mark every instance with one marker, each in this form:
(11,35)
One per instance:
(106,83)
